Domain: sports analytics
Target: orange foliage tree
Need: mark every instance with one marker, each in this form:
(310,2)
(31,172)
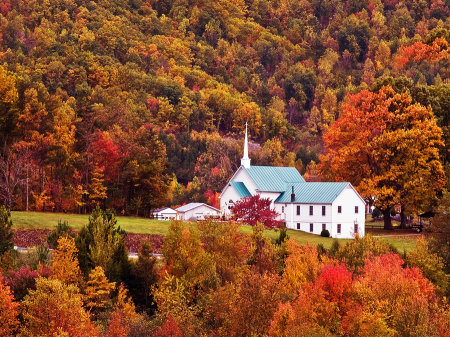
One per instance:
(8,311)
(435,52)
(401,297)
(387,147)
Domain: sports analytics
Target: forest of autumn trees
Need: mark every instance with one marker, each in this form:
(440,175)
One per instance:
(216,280)
(135,104)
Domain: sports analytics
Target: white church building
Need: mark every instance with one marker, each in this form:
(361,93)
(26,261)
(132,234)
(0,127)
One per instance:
(306,206)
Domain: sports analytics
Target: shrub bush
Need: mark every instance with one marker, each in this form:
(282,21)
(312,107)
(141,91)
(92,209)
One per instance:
(376,213)
(325,233)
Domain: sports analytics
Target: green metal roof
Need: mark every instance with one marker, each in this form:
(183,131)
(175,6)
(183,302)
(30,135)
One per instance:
(312,193)
(272,178)
(240,188)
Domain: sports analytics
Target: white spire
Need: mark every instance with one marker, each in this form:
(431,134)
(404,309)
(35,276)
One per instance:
(245,161)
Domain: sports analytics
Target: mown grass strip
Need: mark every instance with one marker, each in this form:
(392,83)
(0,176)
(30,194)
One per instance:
(37,220)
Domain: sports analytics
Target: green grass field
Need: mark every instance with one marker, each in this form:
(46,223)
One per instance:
(36,220)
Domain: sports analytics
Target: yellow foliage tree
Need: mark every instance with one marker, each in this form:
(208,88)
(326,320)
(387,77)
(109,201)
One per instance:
(98,290)
(250,113)
(302,266)
(125,303)
(8,90)
(65,266)
(96,188)
(55,309)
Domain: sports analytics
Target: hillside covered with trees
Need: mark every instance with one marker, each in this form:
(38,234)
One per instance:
(139,104)
(215,280)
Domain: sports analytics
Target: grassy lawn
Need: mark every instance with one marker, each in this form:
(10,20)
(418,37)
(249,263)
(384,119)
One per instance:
(36,220)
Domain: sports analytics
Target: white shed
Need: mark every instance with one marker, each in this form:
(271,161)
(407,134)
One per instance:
(199,211)
(165,213)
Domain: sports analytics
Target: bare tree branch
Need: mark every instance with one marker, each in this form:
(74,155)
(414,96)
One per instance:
(12,165)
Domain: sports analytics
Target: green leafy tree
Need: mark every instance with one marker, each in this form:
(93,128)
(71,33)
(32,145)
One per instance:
(144,275)
(6,234)
(355,253)
(101,243)
(62,229)
(431,265)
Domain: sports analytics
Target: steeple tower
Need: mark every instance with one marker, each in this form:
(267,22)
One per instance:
(245,160)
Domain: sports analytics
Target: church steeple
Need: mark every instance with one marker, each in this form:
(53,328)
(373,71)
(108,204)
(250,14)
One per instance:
(245,160)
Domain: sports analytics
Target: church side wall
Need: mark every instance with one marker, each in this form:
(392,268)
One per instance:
(305,219)
(271,195)
(228,194)
(348,199)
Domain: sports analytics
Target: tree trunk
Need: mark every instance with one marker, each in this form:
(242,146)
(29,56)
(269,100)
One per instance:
(26,208)
(403,219)
(8,205)
(387,219)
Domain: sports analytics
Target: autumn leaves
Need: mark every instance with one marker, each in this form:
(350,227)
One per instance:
(388,148)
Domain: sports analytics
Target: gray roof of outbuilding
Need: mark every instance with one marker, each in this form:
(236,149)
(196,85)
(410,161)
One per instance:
(160,209)
(312,193)
(272,178)
(192,205)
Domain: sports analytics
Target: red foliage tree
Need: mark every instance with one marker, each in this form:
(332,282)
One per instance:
(169,329)
(107,156)
(117,327)
(336,282)
(212,198)
(23,280)
(256,209)
(152,105)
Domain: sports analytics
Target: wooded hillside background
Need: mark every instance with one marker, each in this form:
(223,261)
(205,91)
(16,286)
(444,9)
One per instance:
(138,104)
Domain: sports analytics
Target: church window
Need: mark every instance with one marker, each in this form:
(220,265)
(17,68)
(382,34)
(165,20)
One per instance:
(356,209)
(339,228)
(298,210)
(323,210)
(324,226)
(311,227)
(311,210)
(339,209)
(282,209)
(298,225)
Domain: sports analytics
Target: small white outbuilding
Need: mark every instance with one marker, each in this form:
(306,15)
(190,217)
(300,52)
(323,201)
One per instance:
(198,211)
(165,213)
